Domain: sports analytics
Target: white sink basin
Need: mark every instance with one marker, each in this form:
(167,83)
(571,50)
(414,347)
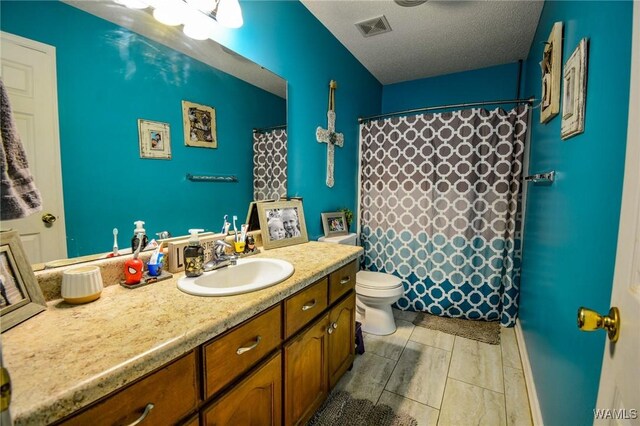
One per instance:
(246,276)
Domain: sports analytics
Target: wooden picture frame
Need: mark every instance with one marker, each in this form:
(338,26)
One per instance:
(575,92)
(334,224)
(154,139)
(551,65)
(20,295)
(199,123)
(282,223)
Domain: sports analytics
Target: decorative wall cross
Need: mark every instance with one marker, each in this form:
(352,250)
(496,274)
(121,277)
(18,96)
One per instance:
(329,135)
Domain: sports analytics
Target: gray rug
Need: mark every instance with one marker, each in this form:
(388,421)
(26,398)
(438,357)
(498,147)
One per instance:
(341,408)
(482,331)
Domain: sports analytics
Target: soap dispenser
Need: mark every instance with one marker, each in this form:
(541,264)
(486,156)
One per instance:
(194,255)
(139,232)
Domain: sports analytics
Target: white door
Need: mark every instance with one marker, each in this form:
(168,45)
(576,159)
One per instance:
(619,393)
(29,74)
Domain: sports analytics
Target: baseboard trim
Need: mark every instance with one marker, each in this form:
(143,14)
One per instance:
(534,403)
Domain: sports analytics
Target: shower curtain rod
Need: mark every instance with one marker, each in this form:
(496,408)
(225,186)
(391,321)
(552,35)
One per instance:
(409,111)
(282,126)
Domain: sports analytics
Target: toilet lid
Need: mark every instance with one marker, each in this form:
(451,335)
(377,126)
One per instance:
(377,280)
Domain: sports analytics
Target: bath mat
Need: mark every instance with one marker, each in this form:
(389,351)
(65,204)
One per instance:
(482,331)
(341,408)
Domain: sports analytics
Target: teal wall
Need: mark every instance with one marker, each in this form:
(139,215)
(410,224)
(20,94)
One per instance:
(108,78)
(571,227)
(286,38)
(123,188)
(493,83)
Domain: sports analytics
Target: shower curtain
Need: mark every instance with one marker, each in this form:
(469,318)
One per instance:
(269,164)
(440,207)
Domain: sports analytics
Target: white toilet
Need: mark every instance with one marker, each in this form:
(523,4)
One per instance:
(375,293)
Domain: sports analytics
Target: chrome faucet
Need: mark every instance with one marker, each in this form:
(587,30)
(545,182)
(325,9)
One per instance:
(220,258)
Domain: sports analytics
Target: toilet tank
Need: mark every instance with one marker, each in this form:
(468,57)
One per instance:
(349,239)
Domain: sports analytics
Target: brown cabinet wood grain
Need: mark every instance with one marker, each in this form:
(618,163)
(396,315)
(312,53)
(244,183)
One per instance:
(306,381)
(342,280)
(342,321)
(236,351)
(173,391)
(257,400)
(303,306)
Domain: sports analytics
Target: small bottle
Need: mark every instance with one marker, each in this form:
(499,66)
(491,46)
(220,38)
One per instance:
(139,231)
(194,255)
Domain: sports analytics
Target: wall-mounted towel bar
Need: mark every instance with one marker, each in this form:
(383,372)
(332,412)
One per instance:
(542,178)
(212,178)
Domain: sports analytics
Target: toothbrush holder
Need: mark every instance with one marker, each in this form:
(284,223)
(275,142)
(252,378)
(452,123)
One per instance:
(81,285)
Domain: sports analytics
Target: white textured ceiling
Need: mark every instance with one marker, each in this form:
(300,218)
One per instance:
(434,38)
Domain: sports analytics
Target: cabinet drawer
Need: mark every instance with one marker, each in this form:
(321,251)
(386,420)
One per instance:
(173,391)
(257,400)
(302,307)
(342,280)
(239,349)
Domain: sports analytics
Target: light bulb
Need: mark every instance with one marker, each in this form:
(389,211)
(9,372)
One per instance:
(229,14)
(197,26)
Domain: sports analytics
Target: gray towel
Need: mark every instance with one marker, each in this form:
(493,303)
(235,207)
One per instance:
(19,195)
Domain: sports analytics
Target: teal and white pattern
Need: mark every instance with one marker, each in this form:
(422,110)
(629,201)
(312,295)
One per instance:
(440,208)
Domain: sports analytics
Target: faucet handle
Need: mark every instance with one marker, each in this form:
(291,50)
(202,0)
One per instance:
(219,247)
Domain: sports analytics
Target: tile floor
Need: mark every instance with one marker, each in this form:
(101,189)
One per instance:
(441,379)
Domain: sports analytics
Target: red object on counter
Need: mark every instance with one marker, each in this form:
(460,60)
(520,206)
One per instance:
(133,269)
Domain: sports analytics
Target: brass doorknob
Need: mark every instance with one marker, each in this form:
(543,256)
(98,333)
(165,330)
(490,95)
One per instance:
(590,320)
(48,218)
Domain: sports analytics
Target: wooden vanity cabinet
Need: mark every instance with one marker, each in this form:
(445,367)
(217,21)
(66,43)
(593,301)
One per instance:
(256,400)
(342,320)
(172,390)
(239,349)
(275,368)
(342,281)
(306,369)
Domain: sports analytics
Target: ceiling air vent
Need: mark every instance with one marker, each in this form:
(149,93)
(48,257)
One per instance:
(374,26)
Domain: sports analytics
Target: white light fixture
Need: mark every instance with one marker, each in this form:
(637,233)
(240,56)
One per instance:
(171,12)
(198,26)
(229,13)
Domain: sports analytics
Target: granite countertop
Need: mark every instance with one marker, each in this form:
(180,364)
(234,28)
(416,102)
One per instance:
(71,355)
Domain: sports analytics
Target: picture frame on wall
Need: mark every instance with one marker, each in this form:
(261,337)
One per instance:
(282,223)
(199,123)
(20,295)
(154,139)
(334,224)
(551,65)
(575,91)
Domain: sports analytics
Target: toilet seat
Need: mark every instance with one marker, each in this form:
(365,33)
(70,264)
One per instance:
(377,281)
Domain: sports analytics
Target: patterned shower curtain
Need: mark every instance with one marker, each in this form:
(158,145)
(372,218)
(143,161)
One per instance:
(440,208)
(269,164)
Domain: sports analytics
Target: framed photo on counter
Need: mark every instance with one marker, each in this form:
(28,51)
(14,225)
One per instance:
(20,294)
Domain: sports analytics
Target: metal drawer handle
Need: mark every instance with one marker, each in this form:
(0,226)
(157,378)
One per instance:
(144,415)
(345,280)
(309,305)
(242,350)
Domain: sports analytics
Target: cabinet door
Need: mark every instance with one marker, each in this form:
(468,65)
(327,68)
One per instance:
(306,372)
(256,401)
(342,322)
